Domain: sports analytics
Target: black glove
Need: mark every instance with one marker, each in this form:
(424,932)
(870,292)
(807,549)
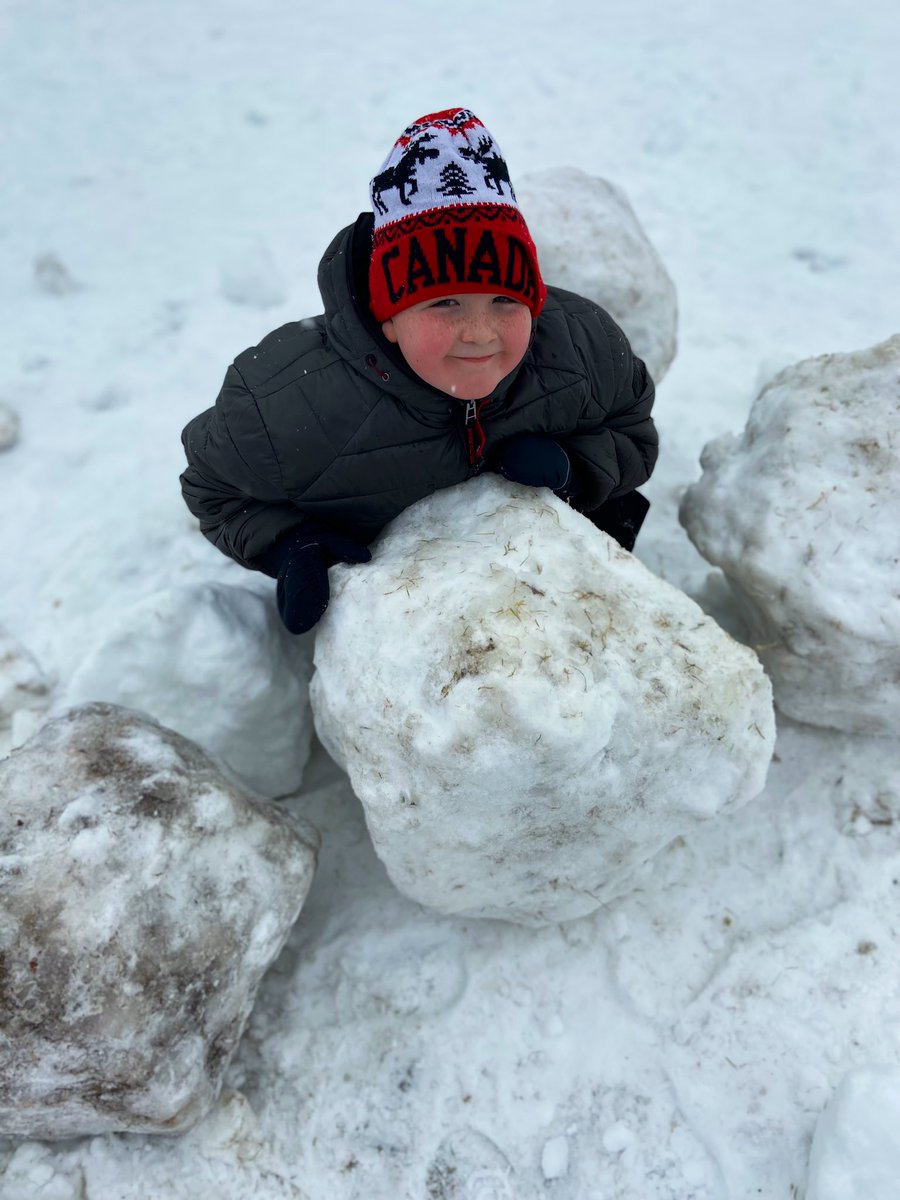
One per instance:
(536,461)
(621,518)
(301,561)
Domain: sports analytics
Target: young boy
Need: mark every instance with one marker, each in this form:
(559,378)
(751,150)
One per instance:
(440,354)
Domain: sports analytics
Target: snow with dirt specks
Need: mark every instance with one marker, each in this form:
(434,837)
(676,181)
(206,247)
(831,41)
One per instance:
(713,1012)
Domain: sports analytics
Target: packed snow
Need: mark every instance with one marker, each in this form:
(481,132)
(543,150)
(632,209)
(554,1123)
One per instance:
(251,277)
(24,688)
(144,897)
(856,1150)
(214,663)
(590,241)
(802,513)
(534,714)
(685,1039)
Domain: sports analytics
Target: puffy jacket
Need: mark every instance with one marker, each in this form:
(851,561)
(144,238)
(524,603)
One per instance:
(323,418)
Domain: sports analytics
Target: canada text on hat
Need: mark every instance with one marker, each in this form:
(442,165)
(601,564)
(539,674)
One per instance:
(446,219)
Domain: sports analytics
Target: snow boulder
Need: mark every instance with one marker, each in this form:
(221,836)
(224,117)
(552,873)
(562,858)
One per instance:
(801,513)
(590,241)
(214,663)
(532,714)
(143,898)
(856,1150)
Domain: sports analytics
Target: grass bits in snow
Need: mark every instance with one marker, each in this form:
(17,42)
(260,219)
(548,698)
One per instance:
(534,714)
(800,512)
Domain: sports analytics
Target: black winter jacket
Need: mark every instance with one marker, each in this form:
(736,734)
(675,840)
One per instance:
(324,419)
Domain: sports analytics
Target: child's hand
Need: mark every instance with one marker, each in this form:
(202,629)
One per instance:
(533,460)
(301,561)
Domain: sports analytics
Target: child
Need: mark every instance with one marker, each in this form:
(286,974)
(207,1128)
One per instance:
(440,354)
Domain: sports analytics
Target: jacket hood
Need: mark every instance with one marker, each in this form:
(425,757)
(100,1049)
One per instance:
(350,326)
(357,337)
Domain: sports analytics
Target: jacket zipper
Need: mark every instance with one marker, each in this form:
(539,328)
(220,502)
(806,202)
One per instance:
(476,438)
(475,435)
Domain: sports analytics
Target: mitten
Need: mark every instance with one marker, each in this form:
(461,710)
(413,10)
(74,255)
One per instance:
(621,518)
(301,561)
(534,460)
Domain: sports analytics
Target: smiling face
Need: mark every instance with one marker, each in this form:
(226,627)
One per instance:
(464,344)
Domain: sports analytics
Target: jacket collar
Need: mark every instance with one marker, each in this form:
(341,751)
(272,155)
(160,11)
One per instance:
(357,337)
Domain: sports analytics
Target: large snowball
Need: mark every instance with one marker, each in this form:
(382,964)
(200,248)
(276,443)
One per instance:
(590,241)
(143,898)
(525,711)
(802,513)
(214,663)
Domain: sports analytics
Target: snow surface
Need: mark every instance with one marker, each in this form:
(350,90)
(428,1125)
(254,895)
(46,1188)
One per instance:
(215,663)
(590,241)
(534,714)
(802,513)
(856,1148)
(685,1040)
(23,686)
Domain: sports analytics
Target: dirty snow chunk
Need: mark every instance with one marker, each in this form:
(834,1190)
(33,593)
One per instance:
(533,714)
(9,426)
(252,279)
(214,663)
(590,241)
(617,1137)
(856,1150)
(800,513)
(143,898)
(23,684)
(52,277)
(555,1158)
(467,1163)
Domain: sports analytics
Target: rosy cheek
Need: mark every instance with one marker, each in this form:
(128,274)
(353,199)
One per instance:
(434,343)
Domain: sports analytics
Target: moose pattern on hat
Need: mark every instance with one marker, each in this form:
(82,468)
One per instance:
(446,219)
(434,172)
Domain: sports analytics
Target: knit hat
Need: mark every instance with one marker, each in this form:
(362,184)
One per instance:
(447,221)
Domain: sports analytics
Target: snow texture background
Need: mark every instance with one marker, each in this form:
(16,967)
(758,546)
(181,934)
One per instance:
(171,175)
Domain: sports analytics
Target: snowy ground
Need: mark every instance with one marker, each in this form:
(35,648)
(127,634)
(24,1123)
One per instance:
(172,174)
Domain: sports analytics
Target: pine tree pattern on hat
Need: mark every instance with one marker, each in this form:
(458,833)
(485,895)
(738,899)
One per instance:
(447,220)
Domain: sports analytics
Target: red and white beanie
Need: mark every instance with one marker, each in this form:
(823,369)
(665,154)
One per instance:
(447,221)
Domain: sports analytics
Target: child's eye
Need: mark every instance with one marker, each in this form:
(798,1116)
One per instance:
(447,302)
(505,300)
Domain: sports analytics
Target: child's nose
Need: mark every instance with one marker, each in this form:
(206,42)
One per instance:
(478,328)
